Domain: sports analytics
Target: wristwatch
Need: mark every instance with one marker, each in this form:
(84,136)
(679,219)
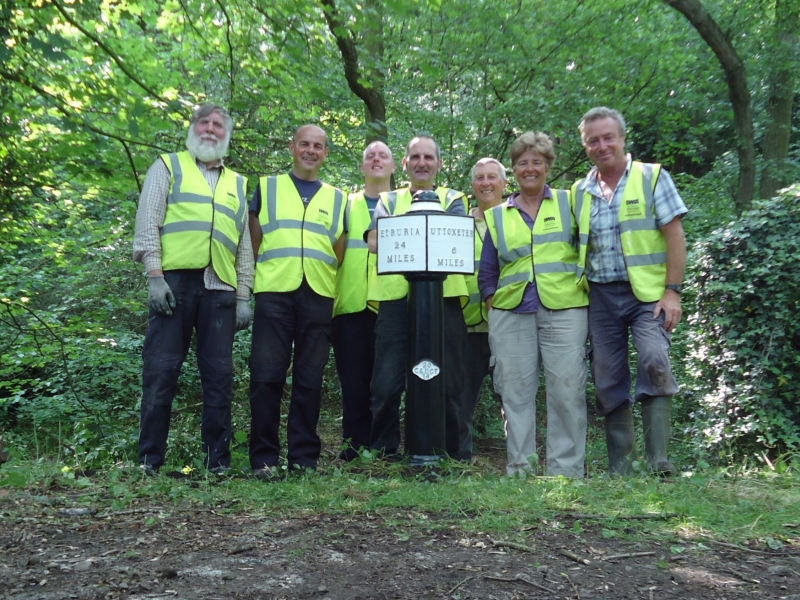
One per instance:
(675,287)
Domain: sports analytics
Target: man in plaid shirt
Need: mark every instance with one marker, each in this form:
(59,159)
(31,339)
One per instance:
(632,257)
(190,237)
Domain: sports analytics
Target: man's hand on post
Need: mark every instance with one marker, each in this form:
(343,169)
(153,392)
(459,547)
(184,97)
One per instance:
(244,316)
(670,303)
(160,296)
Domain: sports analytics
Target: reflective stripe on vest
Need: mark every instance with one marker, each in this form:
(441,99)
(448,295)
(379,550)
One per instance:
(353,275)
(644,247)
(394,287)
(475,312)
(199,228)
(546,254)
(298,239)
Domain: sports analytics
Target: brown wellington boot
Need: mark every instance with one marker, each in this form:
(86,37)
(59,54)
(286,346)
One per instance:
(619,441)
(656,422)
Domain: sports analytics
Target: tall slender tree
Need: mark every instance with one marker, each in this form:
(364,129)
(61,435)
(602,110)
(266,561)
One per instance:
(738,91)
(783,76)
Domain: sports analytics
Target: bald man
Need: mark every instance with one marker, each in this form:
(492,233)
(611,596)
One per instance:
(353,320)
(297,231)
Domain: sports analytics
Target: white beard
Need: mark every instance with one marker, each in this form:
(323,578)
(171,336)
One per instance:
(206,151)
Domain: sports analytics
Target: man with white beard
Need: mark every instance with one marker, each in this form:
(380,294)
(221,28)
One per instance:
(192,240)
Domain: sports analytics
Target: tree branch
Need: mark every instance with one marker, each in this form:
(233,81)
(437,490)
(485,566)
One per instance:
(352,73)
(60,105)
(231,71)
(111,54)
(738,92)
(101,418)
(132,164)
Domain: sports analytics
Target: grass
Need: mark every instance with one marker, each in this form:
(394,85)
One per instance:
(754,507)
(756,503)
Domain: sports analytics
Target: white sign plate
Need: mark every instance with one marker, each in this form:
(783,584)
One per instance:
(426,243)
(401,244)
(451,244)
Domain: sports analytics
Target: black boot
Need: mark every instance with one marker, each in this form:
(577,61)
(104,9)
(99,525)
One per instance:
(619,440)
(656,422)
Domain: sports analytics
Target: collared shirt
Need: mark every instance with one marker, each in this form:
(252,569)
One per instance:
(605,260)
(150,218)
(489,275)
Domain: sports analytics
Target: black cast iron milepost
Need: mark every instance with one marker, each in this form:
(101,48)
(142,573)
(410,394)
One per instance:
(425,263)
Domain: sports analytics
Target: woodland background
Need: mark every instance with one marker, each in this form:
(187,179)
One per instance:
(91,92)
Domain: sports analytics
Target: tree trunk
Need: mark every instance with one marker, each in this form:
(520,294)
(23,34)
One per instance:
(783,74)
(372,94)
(738,92)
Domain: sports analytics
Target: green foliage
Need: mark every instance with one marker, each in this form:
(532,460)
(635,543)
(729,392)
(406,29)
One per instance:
(744,336)
(710,198)
(70,334)
(93,91)
(488,419)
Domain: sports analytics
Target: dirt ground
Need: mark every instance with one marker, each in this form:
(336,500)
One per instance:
(50,550)
(200,554)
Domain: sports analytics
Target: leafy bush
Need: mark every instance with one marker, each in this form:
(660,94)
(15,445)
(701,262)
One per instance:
(744,338)
(71,324)
(709,198)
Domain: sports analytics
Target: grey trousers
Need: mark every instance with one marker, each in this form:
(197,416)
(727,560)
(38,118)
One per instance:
(556,340)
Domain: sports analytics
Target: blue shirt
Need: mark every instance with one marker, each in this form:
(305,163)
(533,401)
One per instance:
(371,204)
(306,189)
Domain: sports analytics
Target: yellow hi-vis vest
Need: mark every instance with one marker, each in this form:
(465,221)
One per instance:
(475,312)
(200,228)
(353,275)
(395,287)
(546,254)
(644,247)
(298,239)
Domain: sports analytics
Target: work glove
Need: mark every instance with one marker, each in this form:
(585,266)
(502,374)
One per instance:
(244,315)
(160,297)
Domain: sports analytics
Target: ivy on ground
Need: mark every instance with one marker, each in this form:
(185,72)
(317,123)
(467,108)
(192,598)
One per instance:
(744,338)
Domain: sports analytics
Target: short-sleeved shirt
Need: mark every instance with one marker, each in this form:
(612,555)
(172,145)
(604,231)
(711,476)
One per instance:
(605,260)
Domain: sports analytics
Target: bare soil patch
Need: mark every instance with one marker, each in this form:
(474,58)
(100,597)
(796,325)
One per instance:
(50,550)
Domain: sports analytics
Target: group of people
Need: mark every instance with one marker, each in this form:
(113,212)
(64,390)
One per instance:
(602,260)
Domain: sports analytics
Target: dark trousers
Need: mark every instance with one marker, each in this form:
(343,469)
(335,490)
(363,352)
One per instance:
(354,351)
(476,368)
(614,311)
(303,317)
(389,374)
(212,314)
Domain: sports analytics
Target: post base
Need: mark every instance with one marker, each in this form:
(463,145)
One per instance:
(421,460)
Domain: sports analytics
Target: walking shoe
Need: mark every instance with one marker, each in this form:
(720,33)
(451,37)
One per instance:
(267,474)
(221,471)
